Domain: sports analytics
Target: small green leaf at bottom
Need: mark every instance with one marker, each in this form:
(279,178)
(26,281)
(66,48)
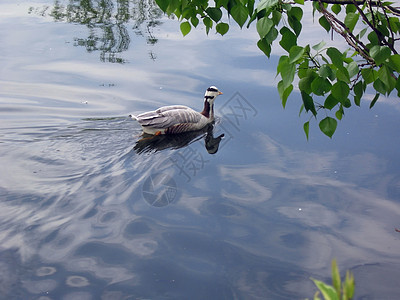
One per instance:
(374,100)
(336,281)
(222,28)
(326,290)
(264,47)
(306,128)
(185,28)
(328,126)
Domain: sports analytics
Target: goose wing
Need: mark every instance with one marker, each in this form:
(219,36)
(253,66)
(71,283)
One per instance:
(168,116)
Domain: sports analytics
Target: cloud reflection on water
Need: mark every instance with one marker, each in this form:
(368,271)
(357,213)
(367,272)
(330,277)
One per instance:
(337,217)
(289,205)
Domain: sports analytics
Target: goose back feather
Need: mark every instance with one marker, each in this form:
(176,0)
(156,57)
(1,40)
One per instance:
(178,118)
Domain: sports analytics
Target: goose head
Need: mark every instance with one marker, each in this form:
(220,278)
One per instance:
(209,97)
(211,93)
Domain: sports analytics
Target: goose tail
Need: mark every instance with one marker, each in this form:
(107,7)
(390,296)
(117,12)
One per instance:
(133,117)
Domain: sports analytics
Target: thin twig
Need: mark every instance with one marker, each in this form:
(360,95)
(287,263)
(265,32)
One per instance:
(381,37)
(390,29)
(342,29)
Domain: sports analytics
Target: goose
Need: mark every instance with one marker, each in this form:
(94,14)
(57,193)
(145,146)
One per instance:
(178,118)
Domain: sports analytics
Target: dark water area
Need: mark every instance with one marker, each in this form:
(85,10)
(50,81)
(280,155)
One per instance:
(90,210)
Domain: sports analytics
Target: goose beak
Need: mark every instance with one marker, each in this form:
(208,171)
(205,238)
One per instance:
(220,93)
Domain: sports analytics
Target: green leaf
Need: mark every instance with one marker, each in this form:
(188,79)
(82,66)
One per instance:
(185,28)
(208,23)
(346,103)
(385,75)
(373,38)
(350,8)
(163,4)
(324,23)
(319,46)
(271,35)
(328,127)
(302,69)
(296,26)
(394,24)
(330,102)
(362,33)
(287,71)
(343,75)
(340,90)
(394,62)
(264,47)
(188,12)
(398,87)
(348,289)
(374,100)
(288,40)
(306,128)
(214,13)
(351,20)
(336,282)
(352,68)
(380,54)
(194,21)
(326,290)
(305,82)
(336,56)
(295,54)
(276,16)
(336,8)
(222,28)
(339,114)
(172,6)
(264,25)
(380,86)
(369,75)
(294,17)
(283,60)
(301,109)
(284,92)
(266,4)
(325,71)
(296,12)
(250,6)
(308,103)
(358,91)
(219,3)
(239,13)
(320,86)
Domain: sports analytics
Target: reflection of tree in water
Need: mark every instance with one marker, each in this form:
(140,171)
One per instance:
(106,21)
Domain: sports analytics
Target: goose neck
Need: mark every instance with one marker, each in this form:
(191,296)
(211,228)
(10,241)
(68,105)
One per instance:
(208,110)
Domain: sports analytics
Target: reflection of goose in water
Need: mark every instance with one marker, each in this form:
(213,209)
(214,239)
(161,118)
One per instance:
(178,118)
(150,143)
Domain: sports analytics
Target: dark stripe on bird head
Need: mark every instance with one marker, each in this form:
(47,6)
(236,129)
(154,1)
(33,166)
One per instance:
(210,89)
(209,97)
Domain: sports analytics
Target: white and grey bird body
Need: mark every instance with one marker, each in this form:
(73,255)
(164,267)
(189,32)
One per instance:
(179,118)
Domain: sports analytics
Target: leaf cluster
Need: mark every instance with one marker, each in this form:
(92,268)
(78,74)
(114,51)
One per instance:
(338,290)
(329,80)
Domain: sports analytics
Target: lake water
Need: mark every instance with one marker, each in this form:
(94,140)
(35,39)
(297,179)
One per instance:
(88,210)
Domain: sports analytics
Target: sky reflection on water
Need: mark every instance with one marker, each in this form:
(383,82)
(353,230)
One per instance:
(254,220)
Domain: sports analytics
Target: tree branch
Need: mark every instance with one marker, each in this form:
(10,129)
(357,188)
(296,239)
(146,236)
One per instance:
(381,37)
(393,10)
(390,29)
(342,29)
